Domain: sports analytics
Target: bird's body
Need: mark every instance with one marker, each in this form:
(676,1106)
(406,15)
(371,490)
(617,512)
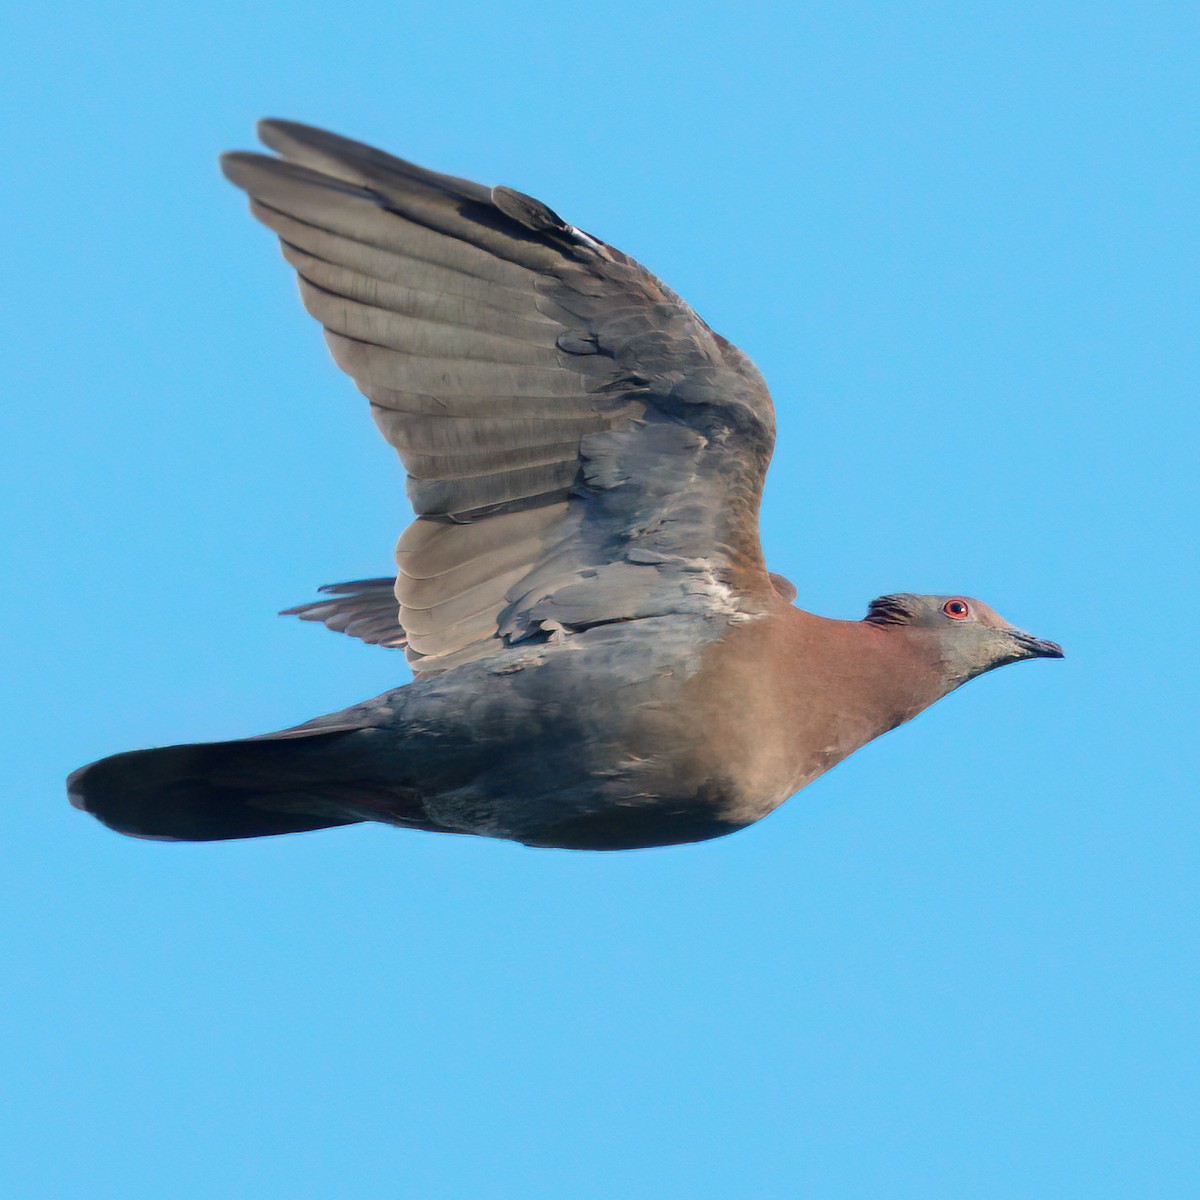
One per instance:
(640,733)
(602,659)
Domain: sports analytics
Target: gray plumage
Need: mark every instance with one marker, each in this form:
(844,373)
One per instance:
(602,659)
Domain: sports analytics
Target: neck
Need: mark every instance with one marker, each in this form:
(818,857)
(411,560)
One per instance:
(883,675)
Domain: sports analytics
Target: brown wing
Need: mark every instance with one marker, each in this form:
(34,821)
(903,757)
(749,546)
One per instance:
(581,448)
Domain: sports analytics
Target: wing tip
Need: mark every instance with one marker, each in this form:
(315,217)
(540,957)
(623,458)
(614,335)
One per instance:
(283,135)
(241,166)
(268,127)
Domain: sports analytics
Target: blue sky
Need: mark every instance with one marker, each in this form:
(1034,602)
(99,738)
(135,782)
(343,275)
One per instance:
(960,243)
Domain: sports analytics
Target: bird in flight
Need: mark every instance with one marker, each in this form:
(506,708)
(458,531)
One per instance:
(601,658)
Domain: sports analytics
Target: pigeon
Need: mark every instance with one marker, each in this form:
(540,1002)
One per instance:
(601,659)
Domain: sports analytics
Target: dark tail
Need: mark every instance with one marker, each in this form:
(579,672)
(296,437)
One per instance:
(217,790)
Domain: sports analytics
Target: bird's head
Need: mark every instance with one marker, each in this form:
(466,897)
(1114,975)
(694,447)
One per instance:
(967,636)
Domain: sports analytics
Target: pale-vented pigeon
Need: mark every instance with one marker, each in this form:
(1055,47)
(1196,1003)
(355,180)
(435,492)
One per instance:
(602,660)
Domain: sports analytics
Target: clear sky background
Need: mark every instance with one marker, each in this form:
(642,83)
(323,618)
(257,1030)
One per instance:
(960,242)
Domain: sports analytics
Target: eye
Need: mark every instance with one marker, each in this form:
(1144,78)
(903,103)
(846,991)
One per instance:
(957,609)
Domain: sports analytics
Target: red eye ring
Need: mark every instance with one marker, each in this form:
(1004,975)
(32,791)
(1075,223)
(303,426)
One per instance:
(957,610)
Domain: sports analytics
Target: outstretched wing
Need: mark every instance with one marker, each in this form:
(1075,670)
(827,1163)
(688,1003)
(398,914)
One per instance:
(581,448)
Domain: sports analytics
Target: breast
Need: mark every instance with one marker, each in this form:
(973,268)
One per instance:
(782,700)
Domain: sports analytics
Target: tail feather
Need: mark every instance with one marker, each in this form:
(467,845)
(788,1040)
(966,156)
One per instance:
(213,791)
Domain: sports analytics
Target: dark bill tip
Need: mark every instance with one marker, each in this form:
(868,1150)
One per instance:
(1036,647)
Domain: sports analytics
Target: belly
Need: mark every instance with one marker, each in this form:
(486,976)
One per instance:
(635,828)
(595,745)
